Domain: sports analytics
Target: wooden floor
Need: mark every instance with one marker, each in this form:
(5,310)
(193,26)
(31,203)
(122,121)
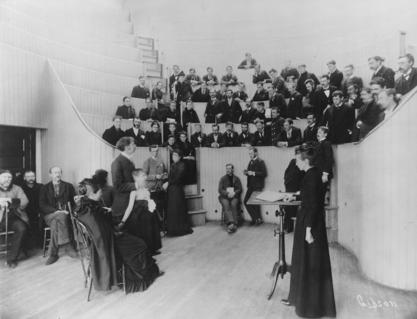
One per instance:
(209,274)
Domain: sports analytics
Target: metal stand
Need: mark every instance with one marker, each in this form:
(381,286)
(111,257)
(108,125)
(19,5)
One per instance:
(280,267)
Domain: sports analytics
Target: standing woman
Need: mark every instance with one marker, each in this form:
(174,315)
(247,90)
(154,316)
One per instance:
(178,223)
(311,286)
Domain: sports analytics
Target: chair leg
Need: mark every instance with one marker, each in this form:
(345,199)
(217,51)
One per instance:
(89,289)
(44,243)
(124,278)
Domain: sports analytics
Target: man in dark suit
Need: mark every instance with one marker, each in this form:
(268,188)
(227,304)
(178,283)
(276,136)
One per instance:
(275,125)
(137,133)
(304,76)
(379,70)
(183,91)
(245,138)
(149,112)
(229,78)
(126,110)
(259,75)
(256,174)
(289,73)
(140,91)
(310,132)
(408,79)
(261,137)
(335,76)
(350,79)
(215,138)
(176,72)
(154,137)
(326,88)
(339,118)
(247,63)
(202,94)
(198,138)
(323,158)
(53,202)
(230,190)
(213,109)
(232,111)
(277,100)
(290,135)
(121,172)
(260,94)
(210,78)
(192,78)
(114,133)
(230,137)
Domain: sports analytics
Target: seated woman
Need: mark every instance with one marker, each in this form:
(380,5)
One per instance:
(188,152)
(139,218)
(140,268)
(178,222)
(93,215)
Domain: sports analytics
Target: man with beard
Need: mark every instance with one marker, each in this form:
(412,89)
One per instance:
(408,79)
(114,133)
(137,133)
(32,189)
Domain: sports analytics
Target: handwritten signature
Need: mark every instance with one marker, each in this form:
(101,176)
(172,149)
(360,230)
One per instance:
(371,303)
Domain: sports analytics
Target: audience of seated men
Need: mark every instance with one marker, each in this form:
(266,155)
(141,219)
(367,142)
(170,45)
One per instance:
(215,139)
(259,75)
(53,202)
(230,137)
(176,72)
(232,111)
(245,138)
(229,78)
(114,133)
(126,111)
(260,94)
(202,94)
(240,94)
(339,118)
(376,64)
(369,115)
(349,78)
(310,132)
(210,78)
(32,190)
(13,202)
(275,125)
(198,138)
(408,79)
(154,136)
(335,76)
(230,190)
(157,93)
(290,135)
(141,91)
(189,115)
(295,103)
(248,62)
(277,100)
(213,108)
(137,133)
(261,137)
(149,112)
(304,76)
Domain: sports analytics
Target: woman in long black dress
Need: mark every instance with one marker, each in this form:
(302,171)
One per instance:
(188,152)
(178,222)
(95,218)
(311,286)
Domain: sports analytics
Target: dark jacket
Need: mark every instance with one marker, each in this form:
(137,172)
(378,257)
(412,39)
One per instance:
(323,158)
(260,77)
(196,142)
(123,184)
(243,64)
(405,85)
(148,113)
(153,138)
(301,87)
(32,193)
(293,177)
(245,138)
(295,105)
(310,133)
(370,116)
(275,127)
(140,139)
(199,96)
(231,112)
(157,94)
(173,78)
(336,79)
(340,121)
(213,78)
(387,74)
(140,92)
(294,139)
(277,100)
(49,203)
(126,112)
(184,91)
(232,140)
(262,139)
(210,139)
(111,135)
(224,183)
(248,115)
(211,111)
(257,182)
(240,95)
(260,96)
(189,116)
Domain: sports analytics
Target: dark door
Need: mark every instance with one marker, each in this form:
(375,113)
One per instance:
(17,150)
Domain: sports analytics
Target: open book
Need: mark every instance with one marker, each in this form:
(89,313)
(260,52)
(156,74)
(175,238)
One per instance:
(270,196)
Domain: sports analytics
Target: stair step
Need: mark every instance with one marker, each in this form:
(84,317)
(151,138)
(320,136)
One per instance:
(198,217)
